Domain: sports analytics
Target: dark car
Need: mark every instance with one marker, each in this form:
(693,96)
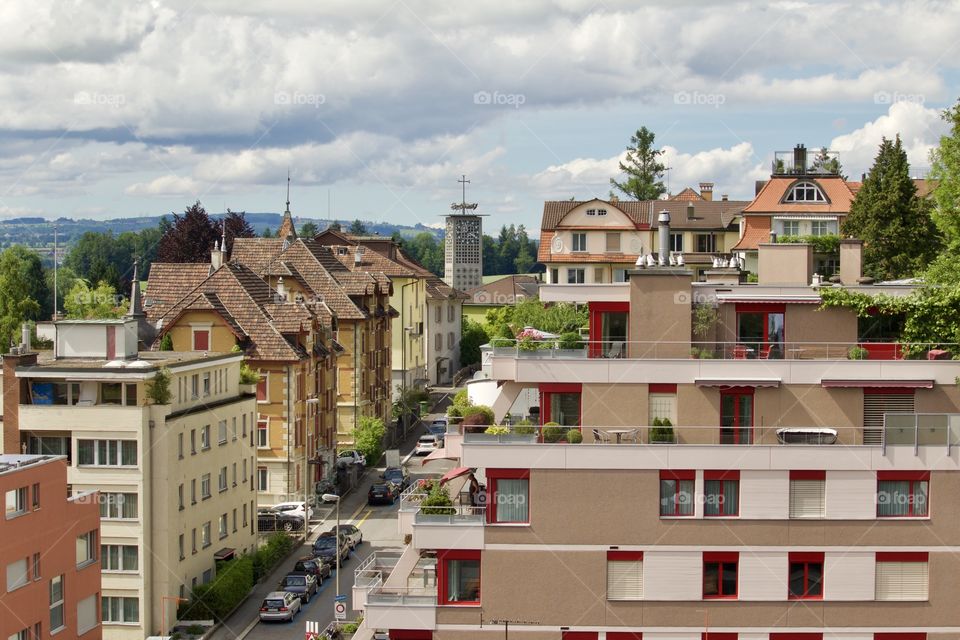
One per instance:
(314,566)
(270,520)
(325,548)
(353,535)
(397,476)
(383,493)
(301,584)
(438,427)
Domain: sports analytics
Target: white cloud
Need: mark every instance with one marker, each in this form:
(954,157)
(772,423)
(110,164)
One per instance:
(168,185)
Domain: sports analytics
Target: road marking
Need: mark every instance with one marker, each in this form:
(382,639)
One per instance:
(365,516)
(356,513)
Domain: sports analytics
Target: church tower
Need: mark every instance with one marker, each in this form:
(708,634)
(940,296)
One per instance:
(463,244)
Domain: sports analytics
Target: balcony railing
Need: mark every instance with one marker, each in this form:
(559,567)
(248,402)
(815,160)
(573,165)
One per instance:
(453,515)
(375,568)
(402,597)
(742,350)
(921,429)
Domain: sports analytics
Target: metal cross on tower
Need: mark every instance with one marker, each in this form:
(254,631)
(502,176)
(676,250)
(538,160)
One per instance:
(463,206)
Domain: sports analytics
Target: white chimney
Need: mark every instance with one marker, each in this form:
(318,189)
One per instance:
(281,290)
(663,223)
(216,256)
(25,337)
(358,256)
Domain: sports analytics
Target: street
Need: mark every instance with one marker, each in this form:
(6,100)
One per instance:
(379,527)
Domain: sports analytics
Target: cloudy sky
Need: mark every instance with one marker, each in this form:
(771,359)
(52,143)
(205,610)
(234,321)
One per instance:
(123,108)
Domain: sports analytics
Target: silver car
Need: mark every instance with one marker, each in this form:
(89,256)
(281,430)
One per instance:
(279,606)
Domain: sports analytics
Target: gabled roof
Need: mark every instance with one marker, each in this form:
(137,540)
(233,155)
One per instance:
(687,194)
(756,230)
(835,188)
(507,290)
(256,253)
(308,261)
(331,237)
(167,283)
(709,214)
(555,210)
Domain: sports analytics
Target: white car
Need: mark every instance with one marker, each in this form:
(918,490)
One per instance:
(350,456)
(427,444)
(279,606)
(293,509)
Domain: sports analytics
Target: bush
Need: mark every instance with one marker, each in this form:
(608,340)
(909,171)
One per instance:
(368,438)
(166,342)
(461,398)
(437,502)
(195,629)
(857,353)
(248,375)
(497,430)
(662,430)
(571,340)
(219,597)
(158,389)
(483,410)
(277,547)
(525,427)
(552,432)
(501,342)
(574,436)
(454,411)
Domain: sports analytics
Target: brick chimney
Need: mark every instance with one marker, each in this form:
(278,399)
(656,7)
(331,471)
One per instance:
(706,190)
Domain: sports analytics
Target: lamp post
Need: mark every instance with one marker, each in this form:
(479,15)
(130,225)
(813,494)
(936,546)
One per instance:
(163,611)
(330,497)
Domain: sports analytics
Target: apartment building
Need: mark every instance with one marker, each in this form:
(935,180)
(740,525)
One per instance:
(792,496)
(48,551)
(598,241)
(175,474)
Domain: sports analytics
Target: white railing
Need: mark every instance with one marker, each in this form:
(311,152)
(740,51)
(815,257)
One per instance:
(391,597)
(453,515)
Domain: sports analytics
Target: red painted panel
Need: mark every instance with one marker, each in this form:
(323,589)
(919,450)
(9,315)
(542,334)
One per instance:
(903,556)
(410,634)
(721,556)
(806,556)
(722,475)
(581,635)
(624,555)
(663,388)
(808,475)
(903,475)
(678,474)
(624,635)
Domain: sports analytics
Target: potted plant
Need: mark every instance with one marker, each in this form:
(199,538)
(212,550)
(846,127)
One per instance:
(570,346)
(574,436)
(248,379)
(662,431)
(552,432)
(857,352)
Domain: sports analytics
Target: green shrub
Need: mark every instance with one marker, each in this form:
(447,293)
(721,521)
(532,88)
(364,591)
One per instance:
(166,342)
(662,430)
(195,629)
(571,340)
(574,436)
(455,411)
(857,353)
(248,375)
(657,422)
(437,502)
(368,438)
(461,398)
(485,411)
(267,556)
(219,597)
(501,342)
(526,428)
(497,430)
(552,432)
(158,389)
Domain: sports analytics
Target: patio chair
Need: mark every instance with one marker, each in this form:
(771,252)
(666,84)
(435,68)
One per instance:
(631,436)
(740,352)
(616,350)
(601,437)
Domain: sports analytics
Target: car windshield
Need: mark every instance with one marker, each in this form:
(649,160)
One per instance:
(295,581)
(394,473)
(324,542)
(273,603)
(426,438)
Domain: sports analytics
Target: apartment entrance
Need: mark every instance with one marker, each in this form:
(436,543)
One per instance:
(560,403)
(609,328)
(760,328)
(736,415)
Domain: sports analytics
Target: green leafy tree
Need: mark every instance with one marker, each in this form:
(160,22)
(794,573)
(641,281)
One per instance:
(945,173)
(237,227)
(472,336)
(900,238)
(825,163)
(368,438)
(22,287)
(642,168)
(357,228)
(507,321)
(309,230)
(267,233)
(85,303)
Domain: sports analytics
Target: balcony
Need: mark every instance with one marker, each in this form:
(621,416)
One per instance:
(54,417)
(658,436)
(401,608)
(455,527)
(397,590)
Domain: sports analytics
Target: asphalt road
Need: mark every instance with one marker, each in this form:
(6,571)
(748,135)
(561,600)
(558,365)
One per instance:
(379,527)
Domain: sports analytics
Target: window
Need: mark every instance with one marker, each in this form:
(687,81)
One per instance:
(451,313)
(122,557)
(706,243)
(619,275)
(579,241)
(902,494)
(193,491)
(261,478)
(206,383)
(676,493)
(262,389)
(459,577)
(805,192)
(601,212)
(193,441)
(56,603)
(111,393)
(233,474)
(598,275)
(450,340)
(205,437)
(721,493)
(205,535)
(201,339)
(17,574)
(575,276)
(182,547)
(244,475)
(807,491)
(16,502)
(107,453)
(676,242)
(86,615)
(509,496)
(244,424)
(736,416)
(438,341)
(180,446)
(624,575)
(36,566)
(130,394)
(244,514)
(222,528)
(720,575)
(591,212)
(613,242)
(554,276)
(222,479)
(118,609)
(821,228)
(662,402)
(222,432)
(902,576)
(118,506)
(806,576)
(205,486)
(86,549)
(23,634)
(195,386)
(791,227)
(263,440)
(234,520)
(193,540)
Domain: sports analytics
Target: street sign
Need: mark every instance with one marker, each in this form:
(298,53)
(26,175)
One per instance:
(339,611)
(340,598)
(312,630)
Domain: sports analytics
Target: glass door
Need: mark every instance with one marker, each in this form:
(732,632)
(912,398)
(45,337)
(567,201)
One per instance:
(736,417)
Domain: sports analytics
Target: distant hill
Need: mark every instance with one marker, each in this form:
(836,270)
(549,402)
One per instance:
(38,232)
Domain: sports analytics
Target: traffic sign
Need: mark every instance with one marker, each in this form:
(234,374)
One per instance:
(340,598)
(312,630)
(339,611)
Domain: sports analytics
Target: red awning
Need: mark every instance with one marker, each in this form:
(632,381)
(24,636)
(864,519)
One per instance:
(454,474)
(737,382)
(877,384)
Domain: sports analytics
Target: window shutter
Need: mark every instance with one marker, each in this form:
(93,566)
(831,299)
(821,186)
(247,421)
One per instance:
(902,581)
(86,614)
(807,498)
(877,404)
(624,579)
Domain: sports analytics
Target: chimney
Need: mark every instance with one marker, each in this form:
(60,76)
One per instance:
(799,159)
(706,190)
(136,303)
(724,198)
(25,338)
(851,260)
(216,257)
(663,223)
(281,290)
(690,211)
(773,237)
(358,256)
(758,186)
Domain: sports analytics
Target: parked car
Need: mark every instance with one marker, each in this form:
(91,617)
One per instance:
(398,476)
(427,444)
(315,566)
(325,547)
(279,606)
(270,520)
(383,493)
(294,509)
(438,427)
(300,583)
(353,534)
(350,456)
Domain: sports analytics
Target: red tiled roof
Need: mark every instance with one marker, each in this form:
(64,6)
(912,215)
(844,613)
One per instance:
(834,188)
(256,253)
(756,230)
(167,283)
(687,194)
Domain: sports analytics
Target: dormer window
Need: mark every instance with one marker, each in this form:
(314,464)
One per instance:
(592,212)
(805,192)
(601,212)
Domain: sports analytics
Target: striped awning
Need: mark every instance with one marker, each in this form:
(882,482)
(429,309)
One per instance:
(737,382)
(874,383)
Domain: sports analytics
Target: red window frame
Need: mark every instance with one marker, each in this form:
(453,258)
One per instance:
(796,636)
(722,559)
(806,559)
(580,635)
(262,388)
(624,635)
(661,387)
(504,474)
(739,391)
(714,635)
(597,309)
(903,556)
(563,387)
(201,339)
(445,556)
(721,476)
(687,475)
(893,635)
(913,477)
(410,634)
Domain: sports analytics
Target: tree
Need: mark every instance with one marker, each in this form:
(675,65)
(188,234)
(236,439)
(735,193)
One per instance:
(524,259)
(945,173)
(309,230)
(425,249)
(84,303)
(472,336)
(368,438)
(236,227)
(267,233)
(22,287)
(642,167)
(507,321)
(357,228)
(897,228)
(823,162)
(334,226)
(190,238)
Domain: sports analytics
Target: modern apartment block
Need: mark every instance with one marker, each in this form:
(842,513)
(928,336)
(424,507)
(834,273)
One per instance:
(48,552)
(176,478)
(803,488)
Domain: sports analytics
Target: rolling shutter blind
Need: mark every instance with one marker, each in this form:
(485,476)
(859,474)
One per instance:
(875,405)
(87,614)
(902,580)
(624,579)
(807,498)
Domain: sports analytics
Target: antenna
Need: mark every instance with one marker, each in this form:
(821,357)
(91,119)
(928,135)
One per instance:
(54,271)
(288,190)
(463,206)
